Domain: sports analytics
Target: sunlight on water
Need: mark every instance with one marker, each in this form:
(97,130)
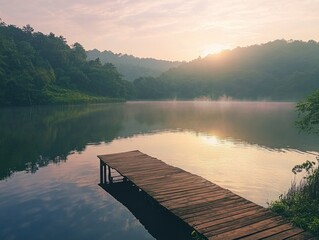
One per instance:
(210,140)
(256,173)
(49,168)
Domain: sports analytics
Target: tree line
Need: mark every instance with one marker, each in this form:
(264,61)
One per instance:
(133,67)
(38,69)
(278,70)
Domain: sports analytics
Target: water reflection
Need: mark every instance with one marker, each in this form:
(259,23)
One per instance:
(33,137)
(64,202)
(246,147)
(253,172)
(159,222)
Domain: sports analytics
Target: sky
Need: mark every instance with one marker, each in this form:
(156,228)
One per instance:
(167,29)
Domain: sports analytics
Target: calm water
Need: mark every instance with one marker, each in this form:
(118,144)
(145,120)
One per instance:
(49,170)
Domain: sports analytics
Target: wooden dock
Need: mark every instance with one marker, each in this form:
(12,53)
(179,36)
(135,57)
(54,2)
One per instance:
(213,212)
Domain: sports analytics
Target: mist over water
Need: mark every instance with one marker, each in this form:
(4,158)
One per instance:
(49,170)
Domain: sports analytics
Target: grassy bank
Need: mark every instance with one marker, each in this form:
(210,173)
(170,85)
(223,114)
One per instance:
(301,203)
(56,95)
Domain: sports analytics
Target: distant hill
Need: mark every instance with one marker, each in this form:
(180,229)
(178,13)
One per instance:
(36,68)
(133,67)
(278,70)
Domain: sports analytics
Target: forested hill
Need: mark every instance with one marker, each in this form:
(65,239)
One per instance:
(41,69)
(278,70)
(133,67)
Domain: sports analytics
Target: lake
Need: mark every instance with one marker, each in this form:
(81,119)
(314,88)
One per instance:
(49,172)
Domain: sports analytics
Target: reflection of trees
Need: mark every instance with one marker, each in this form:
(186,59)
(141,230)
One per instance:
(34,137)
(269,125)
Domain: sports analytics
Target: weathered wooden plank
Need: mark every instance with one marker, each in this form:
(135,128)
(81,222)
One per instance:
(164,191)
(136,163)
(142,169)
(120,156)
(209,200)
(163,183)
(223,205)
(191,199)
(230,209)
(271,232)
(175,191)
(247,229)
(176,179)
(229,223)
(211,210)
(163,175)
(185,190)
(212,218)
(287,234)
(150,176)
(211,206)
(186,193)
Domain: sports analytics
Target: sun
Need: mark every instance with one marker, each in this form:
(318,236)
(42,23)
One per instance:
(210,140)
(214,48)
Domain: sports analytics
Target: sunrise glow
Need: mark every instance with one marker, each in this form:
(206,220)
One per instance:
(210,140)
(214,49)
(168,29)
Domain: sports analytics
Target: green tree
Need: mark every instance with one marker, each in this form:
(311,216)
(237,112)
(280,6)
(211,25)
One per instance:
(36,68)
(78,53)
(309,113)
(300,203)
(28,29)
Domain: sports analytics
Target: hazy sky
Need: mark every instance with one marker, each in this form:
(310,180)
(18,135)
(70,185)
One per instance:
(167,29)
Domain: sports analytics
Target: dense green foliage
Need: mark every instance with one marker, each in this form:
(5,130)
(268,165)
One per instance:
(309,113)
(300,204)
(43,69)
(133,67)
(36,69)
(278,70)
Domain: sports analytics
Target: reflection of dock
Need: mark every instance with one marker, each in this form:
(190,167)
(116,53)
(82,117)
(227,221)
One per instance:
(213,212)
(159,222)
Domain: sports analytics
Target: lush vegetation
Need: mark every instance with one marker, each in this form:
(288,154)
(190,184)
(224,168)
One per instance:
(278,70)
(41,69)
(309,113)
(300,203)
(133,67)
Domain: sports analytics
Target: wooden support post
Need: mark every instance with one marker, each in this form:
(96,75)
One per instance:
(110,175)
(104,174)
(101,172)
